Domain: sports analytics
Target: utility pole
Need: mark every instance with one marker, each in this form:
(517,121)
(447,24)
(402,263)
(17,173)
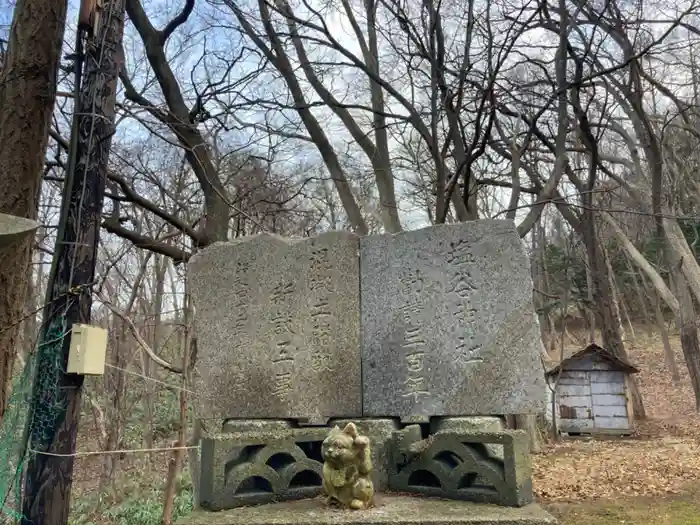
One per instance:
(56,398)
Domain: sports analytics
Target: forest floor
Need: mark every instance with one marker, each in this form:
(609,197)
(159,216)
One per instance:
(650,478)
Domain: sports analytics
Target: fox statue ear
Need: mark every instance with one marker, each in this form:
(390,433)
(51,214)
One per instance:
(351,430)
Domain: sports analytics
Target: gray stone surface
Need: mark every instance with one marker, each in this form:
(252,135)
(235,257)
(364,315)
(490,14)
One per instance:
(13,229)
(456,465)
(389,510)
(253,468)
(277,326)
(256,425)
(471,424)
(448,325)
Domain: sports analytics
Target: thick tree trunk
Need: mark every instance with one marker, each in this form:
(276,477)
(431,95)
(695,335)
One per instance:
(29,332)
(589,312)
(528,423)
(689,334)
(604,302)
(537,270)
(681,256)
(27,96)
(546,281)
(48,477)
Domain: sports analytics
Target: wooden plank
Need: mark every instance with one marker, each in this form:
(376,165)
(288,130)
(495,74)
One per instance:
(630,407)
(573,374)
(609,411)
(612,423)
(607,400)
(569,412)
(576,425)
(608,388)
(582,363)
(607,377)
(575,401)
(603,365)
(574,390)
(581,381)
(611,431)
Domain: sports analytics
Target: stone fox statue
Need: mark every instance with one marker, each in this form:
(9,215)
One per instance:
(347,468)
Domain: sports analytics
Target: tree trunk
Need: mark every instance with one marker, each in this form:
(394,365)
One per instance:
(536,269)
(115,383)
(49,477)
(615,294)
(626,312)
(603,301)
(27,96)
(669,355)
(681,256)
(641,297)
(528,422)
(175,464)
(275,52)
(689,334)
(590,308)
(542,244)
(32,302)
(622,308)
(160,263)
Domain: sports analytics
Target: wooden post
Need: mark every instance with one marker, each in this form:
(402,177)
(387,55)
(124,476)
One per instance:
(55,408)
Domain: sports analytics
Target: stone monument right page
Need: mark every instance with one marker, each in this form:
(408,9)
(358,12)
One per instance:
(448,324)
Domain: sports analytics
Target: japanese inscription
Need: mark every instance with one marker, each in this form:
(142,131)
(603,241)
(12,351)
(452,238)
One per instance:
(240,321)
(284,332)
(462,284)
(448,326)
(321,315)
(414,342)
(277,323)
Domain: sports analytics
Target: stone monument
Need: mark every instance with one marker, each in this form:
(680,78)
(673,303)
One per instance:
(420,341)
(278,328)
(448,324)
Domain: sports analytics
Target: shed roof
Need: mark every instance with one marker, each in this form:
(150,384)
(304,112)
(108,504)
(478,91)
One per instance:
(618,362)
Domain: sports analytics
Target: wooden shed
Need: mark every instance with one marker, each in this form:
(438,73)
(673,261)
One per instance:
(592,393)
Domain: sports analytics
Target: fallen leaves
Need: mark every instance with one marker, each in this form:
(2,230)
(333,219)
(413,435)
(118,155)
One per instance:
(585,470)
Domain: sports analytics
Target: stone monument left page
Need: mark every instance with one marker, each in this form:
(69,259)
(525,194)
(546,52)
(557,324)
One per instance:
(277,322)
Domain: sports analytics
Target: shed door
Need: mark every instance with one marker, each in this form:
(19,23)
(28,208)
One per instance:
(575,401)
(609,400)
